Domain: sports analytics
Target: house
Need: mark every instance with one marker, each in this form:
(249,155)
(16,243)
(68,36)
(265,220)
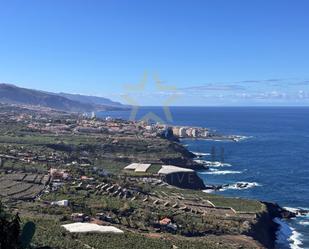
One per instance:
(165,221)
(167,225)
(79,217)
(86,178)
(59,174)
(63,203)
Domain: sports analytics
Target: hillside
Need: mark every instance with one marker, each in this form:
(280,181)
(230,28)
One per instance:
(11,94)
(91,99)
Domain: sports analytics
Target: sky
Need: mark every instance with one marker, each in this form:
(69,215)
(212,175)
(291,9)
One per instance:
(175,52)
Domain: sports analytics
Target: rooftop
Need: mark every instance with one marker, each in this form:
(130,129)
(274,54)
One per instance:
(80,227)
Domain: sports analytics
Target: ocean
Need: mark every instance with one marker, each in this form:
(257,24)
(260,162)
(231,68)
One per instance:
(273,158)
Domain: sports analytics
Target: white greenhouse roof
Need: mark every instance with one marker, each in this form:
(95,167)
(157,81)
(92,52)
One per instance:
(138,167)
(167,169)
(80,227)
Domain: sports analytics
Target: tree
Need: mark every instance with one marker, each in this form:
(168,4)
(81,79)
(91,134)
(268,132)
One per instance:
(9,230)
(12,237)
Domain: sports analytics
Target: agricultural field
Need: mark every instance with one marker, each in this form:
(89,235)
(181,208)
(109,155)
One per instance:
(22,186)
(49,233)
(98,187)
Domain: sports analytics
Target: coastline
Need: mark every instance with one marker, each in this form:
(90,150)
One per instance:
(217,215)
(264,230)
(237,185)
(282,234)
(221,172)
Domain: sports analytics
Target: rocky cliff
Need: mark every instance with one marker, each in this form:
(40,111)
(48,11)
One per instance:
(185,180)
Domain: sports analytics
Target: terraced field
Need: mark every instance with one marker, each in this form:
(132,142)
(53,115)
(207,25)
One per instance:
(22,186)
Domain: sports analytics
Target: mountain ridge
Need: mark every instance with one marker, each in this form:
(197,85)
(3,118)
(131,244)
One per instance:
(90,99)
(12,94)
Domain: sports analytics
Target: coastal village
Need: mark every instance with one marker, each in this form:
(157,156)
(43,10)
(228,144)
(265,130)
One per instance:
(133,180)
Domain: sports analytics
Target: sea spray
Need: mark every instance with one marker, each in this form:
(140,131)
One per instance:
(287,237)
(212,164)
(241,185)
(220,172)
(200,154)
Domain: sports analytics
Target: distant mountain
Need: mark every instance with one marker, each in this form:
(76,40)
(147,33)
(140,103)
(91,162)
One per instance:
(12,94)
(91,99)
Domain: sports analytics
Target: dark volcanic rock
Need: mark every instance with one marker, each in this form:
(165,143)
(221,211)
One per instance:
(265,228)
(276,211)
(183,162)
(186,180)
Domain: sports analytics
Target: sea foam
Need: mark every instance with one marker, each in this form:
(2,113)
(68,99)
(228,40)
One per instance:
(287,237)
(221,172)
(212,164)
(245,185)
(235,186)
(297,211)
(200,153)
(304,223)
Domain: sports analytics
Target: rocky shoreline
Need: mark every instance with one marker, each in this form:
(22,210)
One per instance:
(264,230)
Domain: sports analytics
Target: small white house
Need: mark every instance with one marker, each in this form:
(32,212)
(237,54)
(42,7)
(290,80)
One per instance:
(62,203)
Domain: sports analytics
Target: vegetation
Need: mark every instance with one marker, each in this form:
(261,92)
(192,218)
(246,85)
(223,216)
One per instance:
(50,234)
(12,237)
(9,230)
(202,220)
(238,204)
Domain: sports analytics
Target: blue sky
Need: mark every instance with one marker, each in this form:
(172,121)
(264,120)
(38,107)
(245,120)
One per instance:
(219,52)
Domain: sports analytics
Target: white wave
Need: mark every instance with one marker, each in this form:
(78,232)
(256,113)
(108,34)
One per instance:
(200,153)
(218,140)
(295,240)
(222,164)
(235,186)
(212,164)
(291,209)
(238,138)
(242,185)
(287,237)
(221,172)
(298,210)
(208,191)
(304,223)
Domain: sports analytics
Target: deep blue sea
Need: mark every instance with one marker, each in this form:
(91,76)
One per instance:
(274,158)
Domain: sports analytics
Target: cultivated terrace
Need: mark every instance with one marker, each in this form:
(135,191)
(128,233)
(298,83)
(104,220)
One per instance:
(57,168)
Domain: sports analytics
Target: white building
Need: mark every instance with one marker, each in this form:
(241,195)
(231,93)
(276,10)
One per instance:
(194,132)
(189,132)
(182,132)
(205,133)
(176,131)
(149,128)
